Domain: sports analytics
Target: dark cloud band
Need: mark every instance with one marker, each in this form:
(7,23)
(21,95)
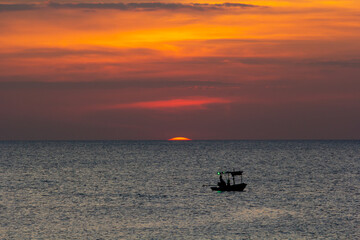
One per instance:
(127,6)
(16,83)
(17,7)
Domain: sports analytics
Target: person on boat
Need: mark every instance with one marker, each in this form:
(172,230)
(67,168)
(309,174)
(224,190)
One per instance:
(222,182)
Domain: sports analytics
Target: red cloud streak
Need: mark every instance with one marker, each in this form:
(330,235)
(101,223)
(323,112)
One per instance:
(172,103)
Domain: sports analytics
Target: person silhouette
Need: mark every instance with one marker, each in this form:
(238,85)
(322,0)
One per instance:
(222,182)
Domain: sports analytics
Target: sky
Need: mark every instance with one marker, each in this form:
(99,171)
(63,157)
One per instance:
(153,70)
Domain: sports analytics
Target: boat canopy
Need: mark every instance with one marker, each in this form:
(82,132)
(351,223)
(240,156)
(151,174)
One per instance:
(235,173)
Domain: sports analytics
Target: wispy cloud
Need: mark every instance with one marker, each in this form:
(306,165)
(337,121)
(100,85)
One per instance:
(62,52)
(17,7)
(151,6)
(15,82)
(169,104)
(135,6)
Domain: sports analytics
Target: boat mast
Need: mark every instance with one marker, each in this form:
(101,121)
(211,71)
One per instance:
(233,175)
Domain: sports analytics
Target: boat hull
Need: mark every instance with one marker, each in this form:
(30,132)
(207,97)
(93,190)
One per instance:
(237,187)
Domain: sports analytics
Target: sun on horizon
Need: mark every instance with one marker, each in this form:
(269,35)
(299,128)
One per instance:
(179,139)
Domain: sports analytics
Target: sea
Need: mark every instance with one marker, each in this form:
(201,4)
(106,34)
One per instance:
(160,190)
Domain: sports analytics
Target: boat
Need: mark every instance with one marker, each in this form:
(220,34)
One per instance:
(227,186)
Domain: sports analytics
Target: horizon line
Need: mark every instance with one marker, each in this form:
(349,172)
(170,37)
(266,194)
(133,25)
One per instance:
(167,140)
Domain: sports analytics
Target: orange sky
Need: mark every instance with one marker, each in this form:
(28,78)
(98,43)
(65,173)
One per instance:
(200,69)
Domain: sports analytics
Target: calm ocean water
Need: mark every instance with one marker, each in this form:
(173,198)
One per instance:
(153,190)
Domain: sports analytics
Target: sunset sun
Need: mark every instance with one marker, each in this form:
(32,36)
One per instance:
(179,139)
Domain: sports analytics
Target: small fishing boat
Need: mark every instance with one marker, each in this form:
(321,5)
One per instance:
(227,186)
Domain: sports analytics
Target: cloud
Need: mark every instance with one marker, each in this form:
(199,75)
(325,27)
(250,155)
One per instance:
(351,63)
(140,6)
(150,6)
(16,83)
(63,52)
(17,7)
(354,62)
(169,104)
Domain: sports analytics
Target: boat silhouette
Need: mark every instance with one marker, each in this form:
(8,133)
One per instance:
(227,186)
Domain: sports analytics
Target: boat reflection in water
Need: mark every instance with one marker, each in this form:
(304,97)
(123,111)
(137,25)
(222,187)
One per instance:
(227,186)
